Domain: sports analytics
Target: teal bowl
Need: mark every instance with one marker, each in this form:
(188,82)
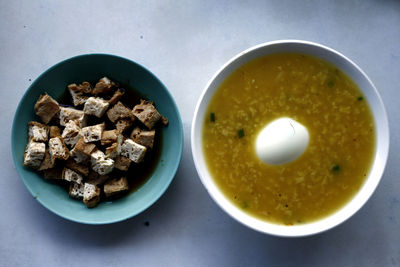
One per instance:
(92,67)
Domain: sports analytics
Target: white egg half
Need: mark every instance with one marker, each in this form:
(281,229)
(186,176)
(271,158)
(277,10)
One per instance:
(282,141)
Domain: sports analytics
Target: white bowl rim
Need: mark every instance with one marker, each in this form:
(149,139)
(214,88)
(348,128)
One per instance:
(358,201)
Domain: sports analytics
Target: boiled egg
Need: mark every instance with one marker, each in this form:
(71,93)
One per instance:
(281,141)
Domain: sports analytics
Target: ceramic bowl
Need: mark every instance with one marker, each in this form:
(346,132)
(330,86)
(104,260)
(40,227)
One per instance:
(379,115)
(92,67)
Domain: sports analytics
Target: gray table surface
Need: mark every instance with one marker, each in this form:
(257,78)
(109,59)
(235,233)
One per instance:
(184,43)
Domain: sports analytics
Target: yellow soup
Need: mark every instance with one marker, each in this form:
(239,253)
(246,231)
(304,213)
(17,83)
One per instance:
(313,92)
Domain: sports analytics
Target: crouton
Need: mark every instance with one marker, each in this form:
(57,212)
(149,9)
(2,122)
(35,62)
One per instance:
(133,151)
(34,154)
(71,133)
(76,190)
(71,176)
(115,149)
(119,111)
(147,113)
(116,186)
(122,125)
(54,131)
(73,87)
(53,173)
(37,131)
(46,163)
(104,85)
(116,97)
(84,87)
(79,168)
(96,179)
(112,151)
(100,163)
(78,156)
(164,121)
(142,137)
(91,195)
(81,151)
(46,107)
(85,148)
(95,106)
(58,149)
(122,163)
(67,114)
(77,97)
(109,137)
(93,133)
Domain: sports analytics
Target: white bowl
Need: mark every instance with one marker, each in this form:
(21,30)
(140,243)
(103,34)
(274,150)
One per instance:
(371,95)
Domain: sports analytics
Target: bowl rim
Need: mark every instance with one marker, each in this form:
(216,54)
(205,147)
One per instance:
(155,196)
(253,222)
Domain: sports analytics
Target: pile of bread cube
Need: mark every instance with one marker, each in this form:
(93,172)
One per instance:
(64,147)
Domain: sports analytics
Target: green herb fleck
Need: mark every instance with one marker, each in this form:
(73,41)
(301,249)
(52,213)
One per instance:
(245,205)
(241,133)
(336,168)
(212,117)
(360,98)
(331,83)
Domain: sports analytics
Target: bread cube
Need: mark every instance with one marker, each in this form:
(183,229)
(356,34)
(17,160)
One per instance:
(95,106)
(91,195)
(115,149)
(146,113)
(76,190)
(142,137)
(84,87)
(92,133)
(79,168)
(71,133)
(37,131)
(34,154)
(77,97)
(71,176)
(122,125)
(54,131)
(122,163)
(53,173)
(97,155)
(78,156)
(109,137)
(119,111)
(164,121)
(46,163)
(103,86)
(116,97)
(85,148)
(116,186)
(133,151)
(67,114)
(81,151)
(96,179)
(100,163)
(112,151)
(46,107)
(58,149)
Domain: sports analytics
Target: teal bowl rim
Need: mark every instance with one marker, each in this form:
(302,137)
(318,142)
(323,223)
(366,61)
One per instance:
(156,197)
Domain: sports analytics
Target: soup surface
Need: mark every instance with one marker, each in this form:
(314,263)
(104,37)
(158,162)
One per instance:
(319,96)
